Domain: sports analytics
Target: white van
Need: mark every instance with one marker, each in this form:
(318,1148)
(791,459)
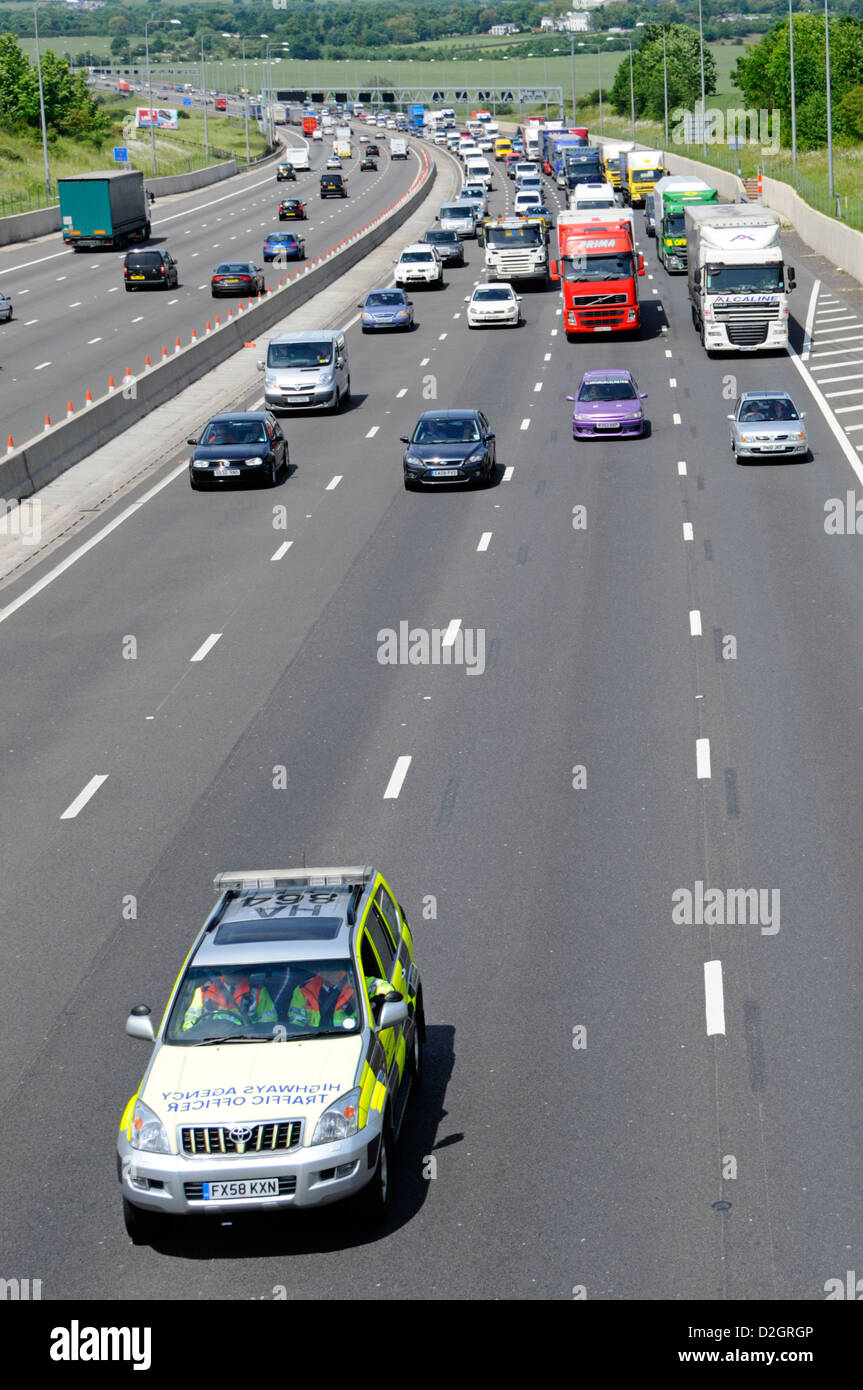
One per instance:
(299,156)
(478,170)
(592,197)
(308,369)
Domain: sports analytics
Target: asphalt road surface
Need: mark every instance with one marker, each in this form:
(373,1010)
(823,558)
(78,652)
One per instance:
(586,1128)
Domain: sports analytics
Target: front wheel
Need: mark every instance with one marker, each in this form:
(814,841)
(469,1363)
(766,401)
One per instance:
(142,1227)
(373,1201)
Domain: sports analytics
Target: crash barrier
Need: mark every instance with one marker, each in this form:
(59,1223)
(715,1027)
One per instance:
(30,466)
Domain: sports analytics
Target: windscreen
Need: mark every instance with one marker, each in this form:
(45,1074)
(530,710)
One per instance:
(144,258)
(271,1001)
(385,298)
(408,257)
(234,432)
(744,279)
(645,175)
(496,292)
(771,408)
(513,236)
(446,431)
(606,391)
(675,224)
(459,212)
(587,269)
(302,354)
(233,268)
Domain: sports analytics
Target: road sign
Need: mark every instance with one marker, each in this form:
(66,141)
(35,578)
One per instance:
(187,101)
(121,154)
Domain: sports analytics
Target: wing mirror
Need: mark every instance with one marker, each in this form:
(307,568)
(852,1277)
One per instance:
(792,279)
(570,398)
(191,441)
(393,1012)
(729,417)
(260,366)
(139,1024)
(642,395)
(404,439)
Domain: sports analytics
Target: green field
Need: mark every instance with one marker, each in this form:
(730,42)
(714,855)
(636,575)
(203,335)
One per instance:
(177,152)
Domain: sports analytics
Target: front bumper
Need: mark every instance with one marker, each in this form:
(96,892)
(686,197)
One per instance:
(307,1177)
(374,325)
(593,429)
(784,449)
(489,320)
(409,279)
(454,473)
(315,398)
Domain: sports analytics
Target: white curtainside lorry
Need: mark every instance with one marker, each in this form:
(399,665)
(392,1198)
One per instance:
(738,282)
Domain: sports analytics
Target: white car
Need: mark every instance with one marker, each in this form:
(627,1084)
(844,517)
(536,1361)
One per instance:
(493,303)
(419,264)
(526,198)
(317,134)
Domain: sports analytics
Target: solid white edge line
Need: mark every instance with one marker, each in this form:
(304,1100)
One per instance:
(206,647)
(399,772)
(84,796)
(695,622)
(702,758)
(282,550)
(82,550)
(810,319)
(714,998)
(836,429)
(451,632)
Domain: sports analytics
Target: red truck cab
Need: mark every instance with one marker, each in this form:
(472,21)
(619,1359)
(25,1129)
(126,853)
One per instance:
(310,124)
(221,103)
(598,269)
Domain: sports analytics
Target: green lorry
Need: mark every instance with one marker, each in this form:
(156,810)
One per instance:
(104,209)
(671,227)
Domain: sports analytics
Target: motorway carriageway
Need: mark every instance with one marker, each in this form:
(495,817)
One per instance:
(74,325)
(613,1101)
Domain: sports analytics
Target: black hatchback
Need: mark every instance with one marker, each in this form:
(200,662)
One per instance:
(450,446)
(146,269)
(245,444)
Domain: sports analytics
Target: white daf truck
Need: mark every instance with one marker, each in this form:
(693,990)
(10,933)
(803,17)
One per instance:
(738,282)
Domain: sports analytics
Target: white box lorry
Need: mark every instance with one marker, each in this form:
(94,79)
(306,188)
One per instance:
(738,281)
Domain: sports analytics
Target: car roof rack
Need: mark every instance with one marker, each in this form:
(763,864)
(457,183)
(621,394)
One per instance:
(274,880)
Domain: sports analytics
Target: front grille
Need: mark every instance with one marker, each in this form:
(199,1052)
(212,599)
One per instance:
(584,301)
(195,1190)
(513,263)
(747,324)
(228,1139)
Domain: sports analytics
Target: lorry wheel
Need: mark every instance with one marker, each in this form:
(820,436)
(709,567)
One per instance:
(147,232)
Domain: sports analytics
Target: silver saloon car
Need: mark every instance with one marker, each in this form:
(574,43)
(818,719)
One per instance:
(768,423)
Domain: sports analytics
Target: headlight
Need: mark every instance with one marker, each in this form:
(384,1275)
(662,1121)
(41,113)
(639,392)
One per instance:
(251,463)
(326,376)
(366,314)
(413,459)
(340,1120)
(477,455)
(148,1133)
(402,314)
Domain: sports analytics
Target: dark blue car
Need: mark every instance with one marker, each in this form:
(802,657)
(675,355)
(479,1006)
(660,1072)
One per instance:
(284,246)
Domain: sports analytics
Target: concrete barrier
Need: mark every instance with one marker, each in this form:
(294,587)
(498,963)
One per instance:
(197,178)
(24,226)
(49,454)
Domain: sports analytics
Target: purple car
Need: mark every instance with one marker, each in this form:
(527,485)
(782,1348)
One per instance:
(608,402)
